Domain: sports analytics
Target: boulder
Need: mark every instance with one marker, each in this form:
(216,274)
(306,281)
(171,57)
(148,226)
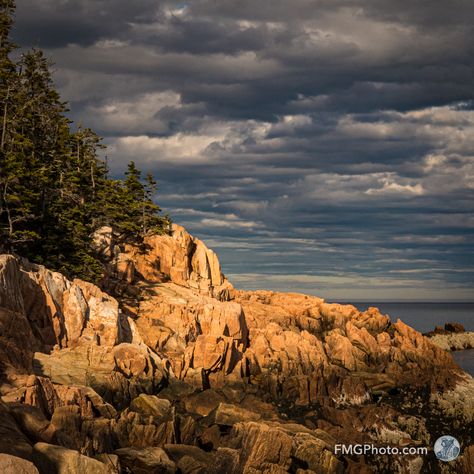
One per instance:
(183,259)
(272,447)
(58,460)
(13,465)
(228,415)
(151,405)
(146,461)
(41,393)
(12,439)
(190,459)
(203,402)
(117,374)
(454,327)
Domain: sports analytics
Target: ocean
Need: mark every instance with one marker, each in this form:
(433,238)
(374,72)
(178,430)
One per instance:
(425,316)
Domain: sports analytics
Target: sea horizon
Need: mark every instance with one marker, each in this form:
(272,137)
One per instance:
(423,315)
(402,301)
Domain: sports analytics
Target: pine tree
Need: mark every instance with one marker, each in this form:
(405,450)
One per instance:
(54,188)
(133,196)
(153,222)
(8,71)
(7,67)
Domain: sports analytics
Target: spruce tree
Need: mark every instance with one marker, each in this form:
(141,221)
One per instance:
(153,222)
(7,67)
(54,188)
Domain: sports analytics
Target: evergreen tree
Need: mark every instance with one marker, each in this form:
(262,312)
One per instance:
(140,216)
(54,189)
(152,222)
(7,9)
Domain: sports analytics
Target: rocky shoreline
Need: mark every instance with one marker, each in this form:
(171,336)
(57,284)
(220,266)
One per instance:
(167,368)
(453,337)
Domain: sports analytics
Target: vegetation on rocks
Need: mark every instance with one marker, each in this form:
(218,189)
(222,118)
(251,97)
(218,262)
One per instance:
(55,190)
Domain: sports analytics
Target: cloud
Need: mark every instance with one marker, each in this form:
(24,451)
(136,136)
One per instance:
(316,145)
(392,187)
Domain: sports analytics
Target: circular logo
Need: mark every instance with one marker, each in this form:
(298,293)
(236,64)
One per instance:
(447,448)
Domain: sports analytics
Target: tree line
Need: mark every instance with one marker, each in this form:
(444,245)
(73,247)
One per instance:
(55,190)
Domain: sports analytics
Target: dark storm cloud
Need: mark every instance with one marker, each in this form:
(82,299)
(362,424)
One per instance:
(324,146)
(253,61)
(422,12)
(56,23)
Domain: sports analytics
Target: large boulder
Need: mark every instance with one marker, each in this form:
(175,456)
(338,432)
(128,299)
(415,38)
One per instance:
(13,465)
(51,312)
(146,461)
(177,256)
(190,459)
(228,415)
(118,374)
(151,405)
(280,448)
(58,460)
(12,439)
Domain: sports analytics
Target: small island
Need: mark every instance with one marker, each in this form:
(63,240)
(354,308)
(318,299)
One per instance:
(453,337)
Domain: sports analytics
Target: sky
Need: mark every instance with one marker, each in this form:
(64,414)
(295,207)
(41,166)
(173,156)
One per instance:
(321,146)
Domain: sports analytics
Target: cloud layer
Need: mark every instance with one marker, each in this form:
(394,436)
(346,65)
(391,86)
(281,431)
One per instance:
(319,146)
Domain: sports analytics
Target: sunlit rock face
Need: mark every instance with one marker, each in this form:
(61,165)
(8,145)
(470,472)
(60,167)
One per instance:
(177,257)
(71,332)
(180,372)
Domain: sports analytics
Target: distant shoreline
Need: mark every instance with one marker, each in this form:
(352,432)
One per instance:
(399,302)
(424,316)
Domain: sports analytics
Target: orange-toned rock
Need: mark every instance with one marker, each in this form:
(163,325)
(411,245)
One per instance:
(13,465)
(273,447)
(181,358)
(57,459)
(179,257)
(143,461)
(340,351)
(361,338)
(58,312)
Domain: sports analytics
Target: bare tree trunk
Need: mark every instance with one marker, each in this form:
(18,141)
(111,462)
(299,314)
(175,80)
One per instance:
(93,179)
(4,127)
(1,204)
(7,209)
(78,156)
(61,180)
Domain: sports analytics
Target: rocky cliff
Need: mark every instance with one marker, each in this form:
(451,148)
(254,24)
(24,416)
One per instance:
(168,368)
